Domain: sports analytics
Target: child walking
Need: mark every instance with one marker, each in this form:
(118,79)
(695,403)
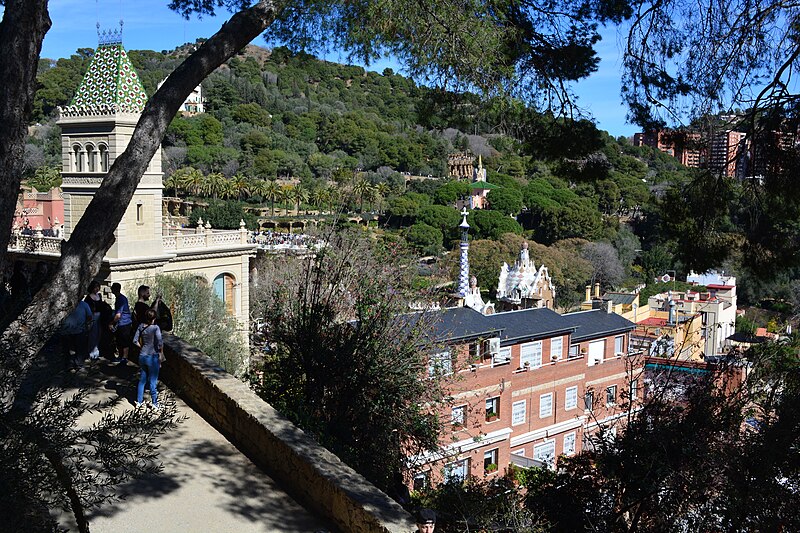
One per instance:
(148,338)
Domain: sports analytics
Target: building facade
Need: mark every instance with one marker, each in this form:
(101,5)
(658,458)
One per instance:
(95,129)
(529,386)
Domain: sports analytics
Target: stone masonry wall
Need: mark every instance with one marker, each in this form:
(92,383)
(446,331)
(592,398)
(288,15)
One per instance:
(314,476)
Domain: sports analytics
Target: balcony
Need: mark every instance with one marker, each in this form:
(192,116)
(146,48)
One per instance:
(34,243)
(205,237)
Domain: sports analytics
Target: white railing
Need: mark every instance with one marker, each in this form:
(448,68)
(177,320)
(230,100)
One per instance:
(36,243)
(204,237)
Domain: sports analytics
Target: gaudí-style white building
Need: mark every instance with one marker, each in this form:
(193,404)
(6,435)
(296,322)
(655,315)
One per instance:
(96,128)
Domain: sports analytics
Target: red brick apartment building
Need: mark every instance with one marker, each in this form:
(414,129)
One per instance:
(527,387)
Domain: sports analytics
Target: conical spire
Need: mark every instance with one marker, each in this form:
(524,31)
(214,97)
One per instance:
(111,84)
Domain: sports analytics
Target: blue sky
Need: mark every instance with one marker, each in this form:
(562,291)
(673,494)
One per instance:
(148,24)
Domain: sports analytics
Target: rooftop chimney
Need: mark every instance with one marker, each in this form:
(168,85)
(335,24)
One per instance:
(588,293)
(597,290)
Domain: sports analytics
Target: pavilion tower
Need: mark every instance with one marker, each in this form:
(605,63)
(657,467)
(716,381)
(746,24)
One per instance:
(463,275)
(95,129)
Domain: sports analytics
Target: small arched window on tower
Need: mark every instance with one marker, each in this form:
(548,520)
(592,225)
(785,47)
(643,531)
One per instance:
(224,285)
(77,158)
(90,158)
(103,157)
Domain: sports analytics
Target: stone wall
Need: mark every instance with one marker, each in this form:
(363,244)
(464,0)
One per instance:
(318,479)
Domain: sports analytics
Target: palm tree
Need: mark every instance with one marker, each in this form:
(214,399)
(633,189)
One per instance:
(285,196)
(299,195)
(317,198)
(241,185)
(271,192)
(214,184)
(360,188)
(382,189)
(190,179)
(171,184)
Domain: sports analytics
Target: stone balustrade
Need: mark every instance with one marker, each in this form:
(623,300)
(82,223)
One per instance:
(205,237)
(36,243)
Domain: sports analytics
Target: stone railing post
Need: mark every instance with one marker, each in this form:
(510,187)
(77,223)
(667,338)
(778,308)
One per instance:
(199,228)
(209,235)
(38,236)
(243,231)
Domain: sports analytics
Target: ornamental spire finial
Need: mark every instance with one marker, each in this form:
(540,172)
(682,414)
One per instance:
(107,37)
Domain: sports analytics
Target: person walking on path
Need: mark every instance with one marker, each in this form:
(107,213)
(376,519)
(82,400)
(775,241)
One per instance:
(121,324)
(148,338)
(93,300)
(75,335)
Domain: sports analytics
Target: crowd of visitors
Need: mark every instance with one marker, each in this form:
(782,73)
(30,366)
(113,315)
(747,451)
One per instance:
(274,238)
(96,328)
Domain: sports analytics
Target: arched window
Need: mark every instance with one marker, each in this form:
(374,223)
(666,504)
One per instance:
(77,158)
(90,161)
(224,289)
(103,157)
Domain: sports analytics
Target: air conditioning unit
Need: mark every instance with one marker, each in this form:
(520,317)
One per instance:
(494,346)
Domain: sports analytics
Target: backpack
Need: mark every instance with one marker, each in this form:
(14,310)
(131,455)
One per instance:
(164,318)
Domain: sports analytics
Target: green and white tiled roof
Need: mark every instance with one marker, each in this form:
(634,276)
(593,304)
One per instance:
(110,85)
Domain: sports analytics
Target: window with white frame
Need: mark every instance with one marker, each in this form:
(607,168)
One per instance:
(556,348)
(546,405)
(634,388)
(619,344)
(571,398)
(440,364)
(588,400)
(503,356)
(459,415)
(492,408)
(490,461)
(457,470)
(546,453)
(531,353)
(569,444)
(611,395)
(518,412)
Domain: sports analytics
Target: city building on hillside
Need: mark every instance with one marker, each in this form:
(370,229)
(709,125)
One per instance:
(194,103)
(523,286)
(682,145)
(95,129)
(532,385)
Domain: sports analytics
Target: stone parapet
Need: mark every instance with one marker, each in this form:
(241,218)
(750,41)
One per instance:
(310,473)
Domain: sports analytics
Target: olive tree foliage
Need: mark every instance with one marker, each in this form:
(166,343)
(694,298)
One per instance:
(200,318)
(53,461)
(346,360)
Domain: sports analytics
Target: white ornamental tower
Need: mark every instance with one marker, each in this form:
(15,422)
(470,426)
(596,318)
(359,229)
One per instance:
(463,275)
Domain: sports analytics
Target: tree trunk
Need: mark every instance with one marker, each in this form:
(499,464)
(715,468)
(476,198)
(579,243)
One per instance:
(82,255)
(22,30)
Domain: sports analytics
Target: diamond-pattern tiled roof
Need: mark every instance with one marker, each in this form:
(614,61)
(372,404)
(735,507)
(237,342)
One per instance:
(111,82)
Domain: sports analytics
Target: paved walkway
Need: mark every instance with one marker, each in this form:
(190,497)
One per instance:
(206,485)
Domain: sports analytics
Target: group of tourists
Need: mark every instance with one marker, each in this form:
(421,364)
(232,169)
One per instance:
(273,238)
(94,328)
